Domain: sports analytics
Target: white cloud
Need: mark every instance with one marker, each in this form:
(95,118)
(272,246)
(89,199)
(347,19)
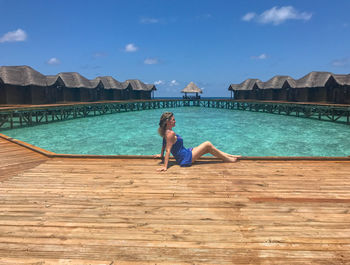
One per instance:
(173,83)
(151,61)
(277,15)
(53,61)
(14,36)
(131,47)
(248,16)
(149,20)
(159,82)
(262,56)
(341,62)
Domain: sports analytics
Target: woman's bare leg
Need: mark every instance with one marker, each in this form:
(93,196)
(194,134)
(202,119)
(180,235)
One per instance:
(208,147)
(238,156)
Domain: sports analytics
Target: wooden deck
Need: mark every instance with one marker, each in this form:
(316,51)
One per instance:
(121,211)
(15,159)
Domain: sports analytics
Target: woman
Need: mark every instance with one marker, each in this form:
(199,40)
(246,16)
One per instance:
(173,143)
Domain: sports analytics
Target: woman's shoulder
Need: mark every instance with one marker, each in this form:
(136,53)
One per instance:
(169,134)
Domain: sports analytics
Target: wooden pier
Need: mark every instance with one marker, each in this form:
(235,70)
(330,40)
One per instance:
(19,116)
(122,211)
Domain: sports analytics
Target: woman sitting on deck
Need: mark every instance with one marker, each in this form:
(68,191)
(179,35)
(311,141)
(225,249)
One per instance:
(184,157)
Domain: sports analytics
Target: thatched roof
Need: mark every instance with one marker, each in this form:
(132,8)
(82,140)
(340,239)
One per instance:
(191,88)
(259,84)
(73,79)
(290,83)
(137,85)
(342,79)
(233,87)
(22,76)
(248,84)
(313,79)
(51,79)
(25,75)
(151,87)
(110,83)
(277,82)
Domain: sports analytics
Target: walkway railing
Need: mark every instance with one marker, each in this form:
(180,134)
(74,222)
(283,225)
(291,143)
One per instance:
(29,116)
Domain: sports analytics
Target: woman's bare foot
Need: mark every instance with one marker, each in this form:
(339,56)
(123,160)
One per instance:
(237,156)
(231,159)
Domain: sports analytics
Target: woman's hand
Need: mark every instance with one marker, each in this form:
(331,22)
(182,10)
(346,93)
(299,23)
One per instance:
(157,156)
(162,169)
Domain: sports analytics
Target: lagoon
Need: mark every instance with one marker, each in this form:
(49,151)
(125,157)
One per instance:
(233,131)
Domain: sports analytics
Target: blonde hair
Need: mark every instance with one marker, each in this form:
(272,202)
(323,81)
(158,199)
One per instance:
(162,123)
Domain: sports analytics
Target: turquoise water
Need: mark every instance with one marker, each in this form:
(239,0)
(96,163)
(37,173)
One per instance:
(233,131)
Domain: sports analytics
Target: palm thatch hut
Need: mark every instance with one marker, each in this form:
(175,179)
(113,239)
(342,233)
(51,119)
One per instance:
(248,89)
(126,92)
(77,87)
(140,90)
(97,88)
(61,91)
(236,91)
(258,91)
(288,92)
(23,85)
(233,88)
(276,88)
(111,87)
(341,92)
(56,88)
(313,87)
(191,88)
(152,88)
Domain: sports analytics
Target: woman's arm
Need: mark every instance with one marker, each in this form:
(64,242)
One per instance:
(161,155)
(166,159)
(170,140)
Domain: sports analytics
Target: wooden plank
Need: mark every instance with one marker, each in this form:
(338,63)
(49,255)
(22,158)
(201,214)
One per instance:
(15,159)
(122,211)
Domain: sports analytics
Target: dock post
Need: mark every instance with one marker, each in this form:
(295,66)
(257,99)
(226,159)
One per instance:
(11,120)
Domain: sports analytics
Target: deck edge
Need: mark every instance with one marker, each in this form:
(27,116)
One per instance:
(253,158)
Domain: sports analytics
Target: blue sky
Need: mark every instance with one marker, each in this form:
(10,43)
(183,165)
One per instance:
(173,42)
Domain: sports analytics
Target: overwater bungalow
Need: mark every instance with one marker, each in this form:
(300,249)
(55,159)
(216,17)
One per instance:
(276,88)
(192,88)
(140,90)
(341,93)
(23,85)
(80,88)
(126,92)
(151,89)
(248,89)
(313,87)
(61,91)
(112,88)
(56,87)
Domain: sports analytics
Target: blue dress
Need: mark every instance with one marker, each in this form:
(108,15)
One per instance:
(182,155)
